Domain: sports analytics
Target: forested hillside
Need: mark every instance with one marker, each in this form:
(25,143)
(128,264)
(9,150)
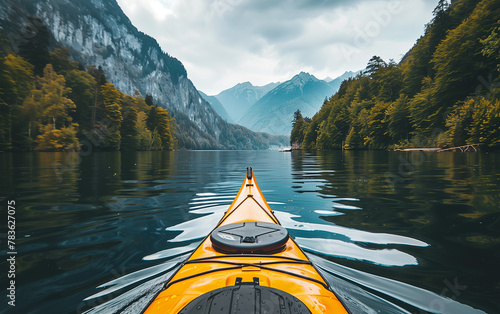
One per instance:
(99,33)
(445,91)
(49,102)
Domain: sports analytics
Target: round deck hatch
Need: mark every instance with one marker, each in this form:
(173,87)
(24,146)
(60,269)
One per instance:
(249,237)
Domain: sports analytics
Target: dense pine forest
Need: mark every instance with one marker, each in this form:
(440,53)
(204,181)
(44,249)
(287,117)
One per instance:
(50,103)
(444,92)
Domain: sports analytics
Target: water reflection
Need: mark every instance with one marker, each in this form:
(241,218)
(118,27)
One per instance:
(112,228)
(384,257)
(420,298)
(449,201)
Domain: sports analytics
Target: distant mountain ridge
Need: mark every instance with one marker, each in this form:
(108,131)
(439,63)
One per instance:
(99,33)
(218,107)
(270,108)
(274,112)
(336,82)
(239,98)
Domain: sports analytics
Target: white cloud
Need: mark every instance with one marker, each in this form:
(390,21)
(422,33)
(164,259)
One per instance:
(224,42)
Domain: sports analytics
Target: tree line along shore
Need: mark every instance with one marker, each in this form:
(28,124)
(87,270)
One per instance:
(49,102)
(443,93)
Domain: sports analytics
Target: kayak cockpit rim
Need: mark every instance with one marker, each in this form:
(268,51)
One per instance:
(238,265)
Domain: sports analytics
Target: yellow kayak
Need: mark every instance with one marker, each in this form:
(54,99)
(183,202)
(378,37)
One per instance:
(248,264)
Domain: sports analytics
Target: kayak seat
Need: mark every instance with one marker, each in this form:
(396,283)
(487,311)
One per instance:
(249,237)
(246,298)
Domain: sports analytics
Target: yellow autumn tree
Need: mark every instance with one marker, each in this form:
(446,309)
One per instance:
(57,130)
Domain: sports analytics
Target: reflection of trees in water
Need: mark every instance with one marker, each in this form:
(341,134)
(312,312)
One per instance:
(449,200)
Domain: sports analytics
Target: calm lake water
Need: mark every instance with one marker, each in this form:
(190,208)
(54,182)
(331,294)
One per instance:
(394,232)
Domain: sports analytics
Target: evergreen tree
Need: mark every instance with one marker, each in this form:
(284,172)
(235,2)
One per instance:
(163,128)
(485,121)
(100,80)
(149,100)
(152,120)
(82,91)
(459,62)
(374,64)
(377,127)
(34,44)
(61,61)
(16,82)
(491,46)
(128,131)
(297,136)
(397,119)
(110,123)
(144,135)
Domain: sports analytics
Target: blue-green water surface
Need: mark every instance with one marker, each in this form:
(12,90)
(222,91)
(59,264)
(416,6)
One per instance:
(393,232)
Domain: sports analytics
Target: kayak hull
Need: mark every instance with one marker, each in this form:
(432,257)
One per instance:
(209,269)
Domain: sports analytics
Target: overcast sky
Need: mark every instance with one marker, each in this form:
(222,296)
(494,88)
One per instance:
(225,42)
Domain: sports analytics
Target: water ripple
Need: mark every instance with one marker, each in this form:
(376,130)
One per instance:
(338,248)
(355,235)
(171,252)
(417,297)
(132,278)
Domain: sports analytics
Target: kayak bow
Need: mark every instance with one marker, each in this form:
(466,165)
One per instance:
(248,264)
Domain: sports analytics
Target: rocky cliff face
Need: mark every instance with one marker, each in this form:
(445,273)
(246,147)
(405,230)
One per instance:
(98,32)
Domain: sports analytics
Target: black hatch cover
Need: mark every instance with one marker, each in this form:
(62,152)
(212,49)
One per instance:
(246,298)
(249,237)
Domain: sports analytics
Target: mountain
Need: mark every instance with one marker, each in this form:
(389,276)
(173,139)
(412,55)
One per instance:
(335,83)
(99,33)
(218,107)
(237,99)
(273,113)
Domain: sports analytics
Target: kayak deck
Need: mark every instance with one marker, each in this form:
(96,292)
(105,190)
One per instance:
(209,268)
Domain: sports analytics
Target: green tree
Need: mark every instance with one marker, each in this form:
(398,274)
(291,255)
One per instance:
(34,44)
(149,100)
(18,79)
(56,107)
(485,122)
(417,63)
(47,113)
(128,131)
(491,46)
(390,82)
(459,62)
(61,61)
(152,120)
(163,128)
(397,119)
(377,127)
(422,112)
(16,82)
(144,135)
(297,135)
(110,123)
(100,79)
(82,93)
(374,64)
(324,140)
(58,139)
(458,121)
